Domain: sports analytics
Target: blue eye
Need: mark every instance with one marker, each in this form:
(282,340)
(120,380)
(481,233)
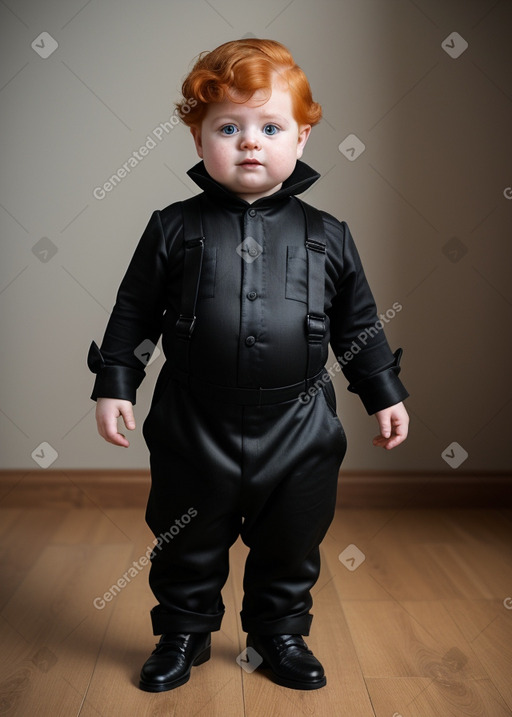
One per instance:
(270,129)
(229,129)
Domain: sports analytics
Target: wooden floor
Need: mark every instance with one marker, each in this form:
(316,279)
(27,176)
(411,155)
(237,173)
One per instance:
(421,628)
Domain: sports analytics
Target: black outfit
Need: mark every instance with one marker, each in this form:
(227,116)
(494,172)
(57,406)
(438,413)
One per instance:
(247,458)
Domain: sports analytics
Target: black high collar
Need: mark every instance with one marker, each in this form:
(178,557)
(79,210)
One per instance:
(302,177)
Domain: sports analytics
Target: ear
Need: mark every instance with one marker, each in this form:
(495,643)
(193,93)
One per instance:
(196,134)
(304,131)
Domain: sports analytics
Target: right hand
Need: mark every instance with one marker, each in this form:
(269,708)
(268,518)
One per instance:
(108,411)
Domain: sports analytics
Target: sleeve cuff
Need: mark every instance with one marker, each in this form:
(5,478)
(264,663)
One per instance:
(113,381)
(383,389)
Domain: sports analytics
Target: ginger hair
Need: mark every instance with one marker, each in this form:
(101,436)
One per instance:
(235,70)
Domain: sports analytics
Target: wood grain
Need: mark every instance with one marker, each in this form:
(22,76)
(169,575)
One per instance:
(420,628)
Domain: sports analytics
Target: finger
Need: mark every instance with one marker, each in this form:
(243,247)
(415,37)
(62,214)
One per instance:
(111,434)
(401,430)
(119,440)
(399,435)
(128,417)
(393,442)
(382,438)
(385,427)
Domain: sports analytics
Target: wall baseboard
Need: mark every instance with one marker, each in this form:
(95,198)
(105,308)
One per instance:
(425,490)
(357,489)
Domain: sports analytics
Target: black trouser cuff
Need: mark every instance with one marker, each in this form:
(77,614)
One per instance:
(180,621)
(294,625)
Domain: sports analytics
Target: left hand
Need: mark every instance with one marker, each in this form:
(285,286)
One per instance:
(394,426)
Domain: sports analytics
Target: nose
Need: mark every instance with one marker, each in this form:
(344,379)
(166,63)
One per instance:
(249,140)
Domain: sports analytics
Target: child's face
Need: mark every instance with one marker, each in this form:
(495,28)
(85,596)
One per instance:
(251,148)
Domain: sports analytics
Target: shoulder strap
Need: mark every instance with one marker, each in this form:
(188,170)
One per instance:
(193,241)
(315,318)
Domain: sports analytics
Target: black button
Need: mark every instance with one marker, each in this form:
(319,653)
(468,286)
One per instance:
(252,295)
(252,212)
(250,341)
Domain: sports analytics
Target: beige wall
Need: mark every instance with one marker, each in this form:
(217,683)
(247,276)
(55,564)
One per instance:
(436,166)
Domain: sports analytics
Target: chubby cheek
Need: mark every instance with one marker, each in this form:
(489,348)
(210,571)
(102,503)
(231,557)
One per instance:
(284,164)
(217,164)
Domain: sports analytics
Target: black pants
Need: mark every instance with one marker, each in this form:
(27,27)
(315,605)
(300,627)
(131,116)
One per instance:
(267,473)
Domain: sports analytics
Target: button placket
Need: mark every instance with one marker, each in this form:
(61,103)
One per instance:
(250,309)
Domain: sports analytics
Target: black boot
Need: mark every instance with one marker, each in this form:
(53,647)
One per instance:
(170,664)
(291,663)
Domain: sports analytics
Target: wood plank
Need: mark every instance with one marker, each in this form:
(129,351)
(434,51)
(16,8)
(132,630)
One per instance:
(487,627)
(55,632)
(416,697)
(456,653)
(8,520)
(490,526)
(356,585)
(389,643)
(472,617)
(24,536)
(413,554)
(34,685)
(100,526)
(493,646)
(480,569)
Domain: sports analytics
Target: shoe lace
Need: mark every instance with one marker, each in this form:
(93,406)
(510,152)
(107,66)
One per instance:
(293,641)
(178,641)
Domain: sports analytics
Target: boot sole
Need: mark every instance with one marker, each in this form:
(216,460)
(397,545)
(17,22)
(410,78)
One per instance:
(203,656)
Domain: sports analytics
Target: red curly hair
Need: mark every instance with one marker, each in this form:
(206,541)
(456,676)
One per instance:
(244,66)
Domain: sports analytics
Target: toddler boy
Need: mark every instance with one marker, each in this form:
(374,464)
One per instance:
(247,286)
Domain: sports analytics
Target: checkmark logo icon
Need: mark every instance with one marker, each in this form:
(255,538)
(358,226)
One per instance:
(454,45)
(249,660)
(44,45)
(44,455)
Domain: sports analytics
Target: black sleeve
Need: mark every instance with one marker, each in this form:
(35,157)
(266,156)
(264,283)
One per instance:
(357,334)
(135,324)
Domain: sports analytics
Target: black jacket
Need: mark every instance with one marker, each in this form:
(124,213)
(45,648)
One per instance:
(250,315)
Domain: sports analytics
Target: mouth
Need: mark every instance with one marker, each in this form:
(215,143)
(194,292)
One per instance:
(250,163)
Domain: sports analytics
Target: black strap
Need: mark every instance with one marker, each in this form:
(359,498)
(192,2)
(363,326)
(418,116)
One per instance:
(315,318)
(193,241)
